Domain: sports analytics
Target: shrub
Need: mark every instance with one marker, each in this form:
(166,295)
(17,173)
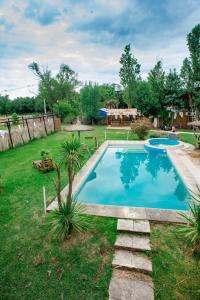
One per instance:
(65,219)
(64,110)
(191,230)
(140,129)
(15,119)
(154,135)
(45,155)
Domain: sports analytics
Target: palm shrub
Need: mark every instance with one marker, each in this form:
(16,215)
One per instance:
(65,218)
(192,229)
(71,151)
(69,215)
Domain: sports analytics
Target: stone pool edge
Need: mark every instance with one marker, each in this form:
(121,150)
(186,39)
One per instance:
(185,168)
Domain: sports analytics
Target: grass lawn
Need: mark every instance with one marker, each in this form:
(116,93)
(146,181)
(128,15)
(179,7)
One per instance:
(176,274)
(36,266)
(188,138)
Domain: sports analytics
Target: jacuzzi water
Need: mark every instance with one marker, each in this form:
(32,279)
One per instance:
(163,142)
(129,176)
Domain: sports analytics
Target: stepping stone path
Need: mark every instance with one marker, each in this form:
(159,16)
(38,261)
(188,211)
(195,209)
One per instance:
(131,278)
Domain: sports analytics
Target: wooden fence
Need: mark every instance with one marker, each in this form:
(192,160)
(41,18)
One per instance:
(25,130)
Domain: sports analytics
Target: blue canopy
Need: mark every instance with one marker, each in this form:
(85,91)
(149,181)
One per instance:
(102,113)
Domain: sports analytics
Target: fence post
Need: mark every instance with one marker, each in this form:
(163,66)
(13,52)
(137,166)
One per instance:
(23,120)
(28,129)
(44,125)
(54,126)
(9,132)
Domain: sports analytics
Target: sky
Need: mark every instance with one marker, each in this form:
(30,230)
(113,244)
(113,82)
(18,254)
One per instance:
(90,36)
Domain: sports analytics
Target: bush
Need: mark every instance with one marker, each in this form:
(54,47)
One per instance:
(64,217)
(140,129)
(155,135)
(64,110)
(191,230)
(15,118)
(45,155)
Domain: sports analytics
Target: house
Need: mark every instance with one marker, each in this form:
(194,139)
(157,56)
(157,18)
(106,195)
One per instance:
(121,117)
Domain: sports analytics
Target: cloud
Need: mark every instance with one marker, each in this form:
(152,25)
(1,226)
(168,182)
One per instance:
(90,36)
(41,12)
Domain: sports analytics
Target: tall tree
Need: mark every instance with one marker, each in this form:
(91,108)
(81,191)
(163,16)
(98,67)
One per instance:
(156,79)
(193,40)
(60,87)
(187,77)
(129,74)
(90,98)
(174,90)
(145,102)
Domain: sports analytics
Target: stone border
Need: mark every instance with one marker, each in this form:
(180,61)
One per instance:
(185,167)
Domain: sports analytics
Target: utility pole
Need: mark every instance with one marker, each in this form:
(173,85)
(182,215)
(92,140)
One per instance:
(45,108)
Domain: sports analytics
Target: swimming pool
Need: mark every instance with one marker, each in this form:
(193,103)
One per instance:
(131,176)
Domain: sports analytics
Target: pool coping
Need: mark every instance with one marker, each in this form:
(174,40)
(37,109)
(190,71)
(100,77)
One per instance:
(185,167)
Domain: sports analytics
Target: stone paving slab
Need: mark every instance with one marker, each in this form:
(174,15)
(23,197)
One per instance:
(139,226)
(124,259)
(132,242)
(132,287)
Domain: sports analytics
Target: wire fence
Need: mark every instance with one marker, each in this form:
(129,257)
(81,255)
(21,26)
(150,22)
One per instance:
(23,130)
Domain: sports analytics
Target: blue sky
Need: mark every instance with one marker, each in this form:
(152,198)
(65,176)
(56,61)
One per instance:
(90,36)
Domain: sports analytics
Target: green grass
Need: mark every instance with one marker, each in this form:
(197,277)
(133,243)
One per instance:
(188,138)
(176,273)
(34,265)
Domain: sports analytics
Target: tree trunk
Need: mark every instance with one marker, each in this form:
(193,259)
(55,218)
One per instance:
(69,196)
(58,172)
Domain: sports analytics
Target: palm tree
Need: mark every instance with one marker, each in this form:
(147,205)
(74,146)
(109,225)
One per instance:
(71,157)
(192,229)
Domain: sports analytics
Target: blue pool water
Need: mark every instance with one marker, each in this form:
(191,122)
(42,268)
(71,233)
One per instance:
(127,176)
(163,141)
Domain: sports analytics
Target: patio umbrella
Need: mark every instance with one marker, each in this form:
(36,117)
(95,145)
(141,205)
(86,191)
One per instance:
(78,127)
(194,123)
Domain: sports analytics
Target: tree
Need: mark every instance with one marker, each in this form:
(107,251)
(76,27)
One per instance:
(64,109)
(129,74)
(145,102)
(69,214)
(71,151)
(23,105)
(156,79)
(174,90)
(60,87)
(5,105)
(90,98)
(193,41)
(187,77)
(107,92)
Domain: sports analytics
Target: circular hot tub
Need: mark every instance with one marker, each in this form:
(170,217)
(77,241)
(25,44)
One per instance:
(162,144)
